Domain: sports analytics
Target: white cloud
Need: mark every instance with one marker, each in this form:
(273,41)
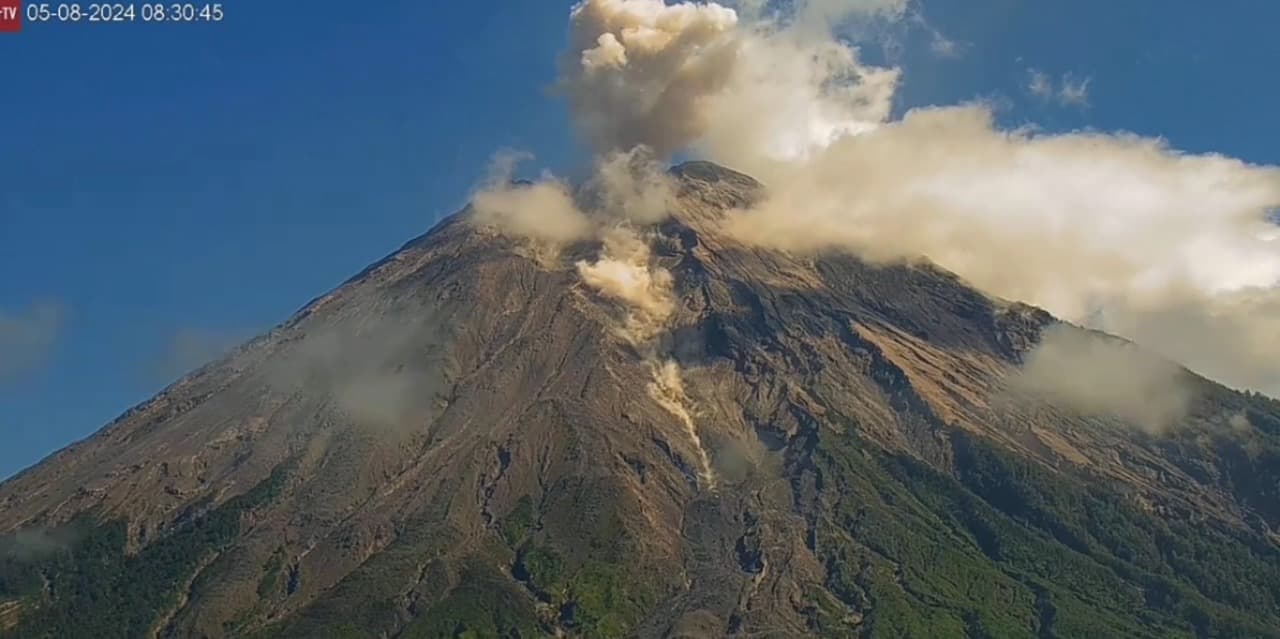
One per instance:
(1173,249)
(1040,86)
(624,186)
(943,46)
(375,372)
(630,186)
(1067,91)
(1074,92)
(1099,375)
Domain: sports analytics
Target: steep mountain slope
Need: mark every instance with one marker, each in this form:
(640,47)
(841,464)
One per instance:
(461,442)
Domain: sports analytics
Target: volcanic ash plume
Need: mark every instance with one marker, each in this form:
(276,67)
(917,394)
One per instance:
(686,75)
(1175,251)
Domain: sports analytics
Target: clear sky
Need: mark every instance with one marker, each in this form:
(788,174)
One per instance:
(166,190)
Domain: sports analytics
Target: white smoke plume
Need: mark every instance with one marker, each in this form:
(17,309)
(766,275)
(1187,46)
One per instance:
(667,389)
(544,210)
(630,186)
(624,186)
(1101,375)
(1127,234)
(361,370)
(623,273)
(31,544)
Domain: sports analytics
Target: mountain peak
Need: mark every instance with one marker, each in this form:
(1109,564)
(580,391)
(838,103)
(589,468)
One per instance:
(714,173)
(691,439)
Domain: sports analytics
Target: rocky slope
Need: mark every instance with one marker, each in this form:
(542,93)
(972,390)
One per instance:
(459,442)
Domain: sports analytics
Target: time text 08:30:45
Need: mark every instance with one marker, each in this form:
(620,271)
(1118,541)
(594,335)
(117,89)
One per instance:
(108,12)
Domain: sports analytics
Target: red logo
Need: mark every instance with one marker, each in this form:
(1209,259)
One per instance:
(10,16)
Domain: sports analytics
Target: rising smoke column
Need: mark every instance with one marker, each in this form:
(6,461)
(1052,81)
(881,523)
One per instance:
(699,76)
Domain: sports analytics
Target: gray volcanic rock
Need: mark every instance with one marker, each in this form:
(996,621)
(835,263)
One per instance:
(456,442)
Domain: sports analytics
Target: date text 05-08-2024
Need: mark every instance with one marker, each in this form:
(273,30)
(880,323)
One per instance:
(109,12)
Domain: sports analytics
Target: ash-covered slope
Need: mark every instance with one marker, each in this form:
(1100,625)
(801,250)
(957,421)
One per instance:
(468,440)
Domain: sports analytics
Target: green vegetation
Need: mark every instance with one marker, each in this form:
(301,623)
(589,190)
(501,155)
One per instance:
(545,570)
(1014,550)
(368,602)
(483,605)
(271,574)
(95,590)
(1001,547)
(596,600)
(519,522)
(603,605)
(584,590)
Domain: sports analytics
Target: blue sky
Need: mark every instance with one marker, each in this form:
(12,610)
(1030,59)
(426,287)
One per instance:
(168,189)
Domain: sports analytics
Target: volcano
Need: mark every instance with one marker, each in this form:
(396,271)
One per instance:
(469,440)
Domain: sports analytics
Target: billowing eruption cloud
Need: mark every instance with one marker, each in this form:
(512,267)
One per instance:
(1122,233)
(637,71)
(685,75)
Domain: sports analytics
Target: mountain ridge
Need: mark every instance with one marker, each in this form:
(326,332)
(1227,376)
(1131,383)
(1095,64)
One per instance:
(459,440)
